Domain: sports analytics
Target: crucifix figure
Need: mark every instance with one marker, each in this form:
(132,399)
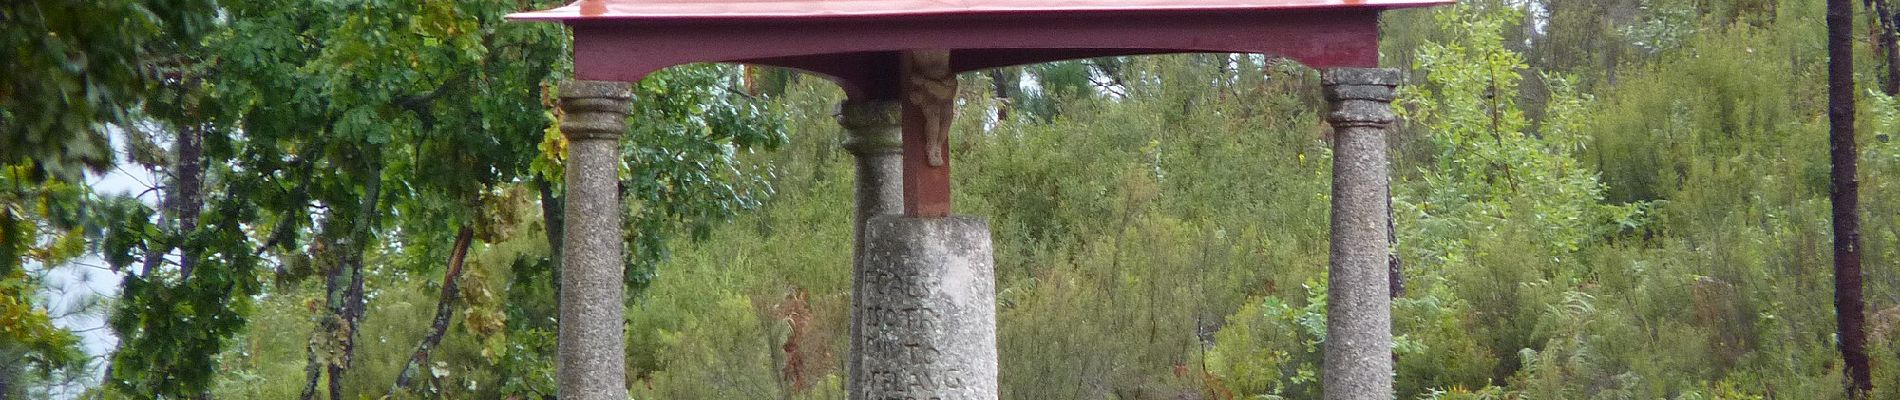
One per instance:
(930,83)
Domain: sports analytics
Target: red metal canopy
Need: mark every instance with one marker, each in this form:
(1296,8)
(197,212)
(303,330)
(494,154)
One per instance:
(811,8)
(856,42)
(864,44)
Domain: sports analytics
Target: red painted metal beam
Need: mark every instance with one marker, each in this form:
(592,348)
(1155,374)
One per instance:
(646,10)
(855,51)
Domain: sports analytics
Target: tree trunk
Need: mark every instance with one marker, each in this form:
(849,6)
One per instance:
(444,311)
(1889,44)
(313,372)
(1002,84)
(182,201)
(322,354)
(352,302)
(1848,305)
(343,286)
(186,199)
(552,220)
(317,352)
(1394,266)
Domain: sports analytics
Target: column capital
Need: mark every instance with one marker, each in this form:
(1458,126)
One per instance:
(871,126)
(595,109)
(1360,97)
(1361,114)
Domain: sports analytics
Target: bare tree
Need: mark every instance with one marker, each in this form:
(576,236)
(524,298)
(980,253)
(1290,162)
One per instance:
(1848,305)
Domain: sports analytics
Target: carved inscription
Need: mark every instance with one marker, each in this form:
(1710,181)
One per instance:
(898,288)
(905,318)
(945,385)
(904,326)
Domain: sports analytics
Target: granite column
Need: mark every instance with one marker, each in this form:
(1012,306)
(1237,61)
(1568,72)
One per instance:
(592,338)
(872,129)
(1358,358)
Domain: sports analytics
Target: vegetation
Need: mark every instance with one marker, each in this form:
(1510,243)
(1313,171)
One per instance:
(1593,200)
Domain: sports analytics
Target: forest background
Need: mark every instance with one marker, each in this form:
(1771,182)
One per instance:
(1593,200)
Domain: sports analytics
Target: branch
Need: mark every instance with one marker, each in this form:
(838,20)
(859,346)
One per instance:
(444,311)
(419,104)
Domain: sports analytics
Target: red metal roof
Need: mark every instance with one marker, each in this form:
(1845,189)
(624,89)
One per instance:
(697,9)
(860,44)
(856,42)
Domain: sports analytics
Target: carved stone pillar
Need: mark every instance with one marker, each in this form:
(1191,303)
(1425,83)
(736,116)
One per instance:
(592,331)
(1358,361)
(928,311)
(924,319)
(872,135)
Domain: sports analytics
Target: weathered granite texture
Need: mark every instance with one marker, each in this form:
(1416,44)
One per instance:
(872,135)
(928,310)
(1358,360)
(592,330)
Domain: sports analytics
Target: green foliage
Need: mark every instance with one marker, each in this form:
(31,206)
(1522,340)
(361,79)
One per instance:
(1435,345)
(167,324)
(348,142)
(73,71)
(717,354)
(1601,200)
(1490,165)
(75,68)
(1495,222)
(41,227)
(1271,349)
(681,160)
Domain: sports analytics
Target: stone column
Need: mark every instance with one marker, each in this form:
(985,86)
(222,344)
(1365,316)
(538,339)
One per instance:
(928,310)
(1358,361)
(872,135)
(592,331)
